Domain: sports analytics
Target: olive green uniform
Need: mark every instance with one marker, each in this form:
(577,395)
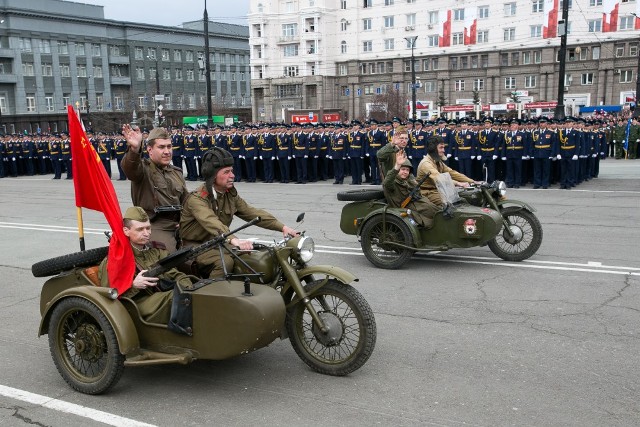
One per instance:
(153,186)
(634,138)
(428,187)
(154,306)
(387,158)
(396,190)
(619,134)
(204,218)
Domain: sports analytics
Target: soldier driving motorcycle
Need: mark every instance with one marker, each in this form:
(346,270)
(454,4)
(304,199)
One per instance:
(208,212)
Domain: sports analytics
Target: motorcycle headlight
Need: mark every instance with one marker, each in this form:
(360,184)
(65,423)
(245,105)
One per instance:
(306,249)
(502,188)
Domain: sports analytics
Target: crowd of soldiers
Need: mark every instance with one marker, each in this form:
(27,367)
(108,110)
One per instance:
(538,151)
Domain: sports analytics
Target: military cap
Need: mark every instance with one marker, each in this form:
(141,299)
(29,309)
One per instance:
(388,123)
(514,122)
(488,120)
(158,133)
(442,120)
(356,122)
(136,213)
(373,121)
(396,120)
(419,122)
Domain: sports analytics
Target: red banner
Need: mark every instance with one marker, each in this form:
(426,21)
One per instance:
(534,105)
(453,108)
(331,117)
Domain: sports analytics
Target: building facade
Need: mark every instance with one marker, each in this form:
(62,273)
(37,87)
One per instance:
(54,53)
(347,54)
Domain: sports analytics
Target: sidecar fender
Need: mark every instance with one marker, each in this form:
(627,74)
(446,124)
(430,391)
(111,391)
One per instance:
(399,213)
(510,203)
(328,271)
(116,313)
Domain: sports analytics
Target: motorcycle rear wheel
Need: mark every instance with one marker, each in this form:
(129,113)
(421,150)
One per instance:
(352,329)
(380,254)
(528,240)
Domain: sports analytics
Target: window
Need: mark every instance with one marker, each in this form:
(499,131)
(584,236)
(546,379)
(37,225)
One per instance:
(118,50)
(568,79)
(432,41)
(343,46)
(165,54)
(25,44)
(388,44)
(66,98)
(388,21)
(619,50)
(627,22)
(166,74)
(177,55)
(504,59)
(343,4)
(27,68)
(595,2)
(95,50)
(453,63)
(407,65)
(82,70)
(3,105)
(151,53)
(99,101)
(478,84)
(139,53)
(430,86)
(47,69)
(537,6)
(509,34)
(290,50)
(63,48)
(97,71)
(464,62)
(584,54)
(626,76)
(342,69)
(411,19)
(343,25)
(190,75)
(484,61)
(530,81)
(367,3)
(458,38)
(535,31)
(595,52)
(633,49)
(188,56)
(595,25)
(178,74)
(389,2)
(515,58)
(80,49)
(587,79)
(537,56)
(368,90)
(458,14)
(65,71)
(140,73)
(45,46)
(434,64)
(291,71)
(459,85)
(48,103)
(526,58)
(367,46)
(31,102)
(483,36)
(425,65)
(289,30)
(142,102)
(474,61)
(510,9)
(483,12)
(509,82)
(433,17)
(152,73)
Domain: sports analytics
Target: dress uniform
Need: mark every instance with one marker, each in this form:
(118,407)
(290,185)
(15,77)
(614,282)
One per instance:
(464,149)
(177,148)
(190,147)
(66,157)
(285,143)
(300,155)
(55,150)
(267,145)
(104,152)
(338,146)
(355,152)
(236,148)
(515,148)
(544,149)
(488,150)
(377,139)
(250,142)
(568,145)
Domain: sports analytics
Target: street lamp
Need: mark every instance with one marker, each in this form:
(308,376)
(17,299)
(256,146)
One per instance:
(636,110)
(562,58)
(412,40)
(156,118)
(207,64)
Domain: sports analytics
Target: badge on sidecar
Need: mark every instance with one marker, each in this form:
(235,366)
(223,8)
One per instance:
(470,226)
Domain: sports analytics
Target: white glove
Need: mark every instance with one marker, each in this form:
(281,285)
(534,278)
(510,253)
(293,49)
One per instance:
(367,154)
(614,141)
(601,153)
(637,140)
(305,156)
(504,158)
(411,157)
(315,157)
(329,157)
(448,156)
(524,157)
(494,157)
(559,157)
(552,158)
(288,157)
(260,157)
(575,157)
(456,158)
(594,155)
(473,157)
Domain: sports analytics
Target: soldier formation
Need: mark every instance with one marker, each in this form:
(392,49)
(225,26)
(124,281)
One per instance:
(538,151)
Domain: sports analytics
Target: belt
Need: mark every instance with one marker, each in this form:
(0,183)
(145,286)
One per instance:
(542,146)
(337,149)
(375,145)
(487,149)
(189,149)
(267,149)
(570,147)
(464,148)
(515,148)
(300,148)
(356,146)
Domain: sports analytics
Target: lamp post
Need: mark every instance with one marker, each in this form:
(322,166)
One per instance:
(156,117)
(636,110)
(207,65)
(562,58)
(412,40)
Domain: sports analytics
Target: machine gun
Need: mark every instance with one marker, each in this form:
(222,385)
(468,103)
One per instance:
(185,254)
(414,192)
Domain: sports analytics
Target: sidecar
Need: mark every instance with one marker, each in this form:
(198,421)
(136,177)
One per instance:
(93,334)
(389,236)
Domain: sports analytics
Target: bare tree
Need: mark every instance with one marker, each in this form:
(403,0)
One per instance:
(388,105)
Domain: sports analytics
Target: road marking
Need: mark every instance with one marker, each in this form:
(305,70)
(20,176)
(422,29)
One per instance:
(70,408)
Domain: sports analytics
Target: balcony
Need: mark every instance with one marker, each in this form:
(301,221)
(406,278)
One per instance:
(289,39)
(121,80)
(119,60)
(8,78)
(7,53)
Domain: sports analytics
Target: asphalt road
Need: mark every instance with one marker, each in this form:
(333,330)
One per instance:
(463,337)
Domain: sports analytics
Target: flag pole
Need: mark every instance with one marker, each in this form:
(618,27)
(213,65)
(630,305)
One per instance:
(78,208)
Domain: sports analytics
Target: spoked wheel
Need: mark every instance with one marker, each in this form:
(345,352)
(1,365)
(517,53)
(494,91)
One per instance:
(351,334)
(376,238)
(84,346)
(523,241)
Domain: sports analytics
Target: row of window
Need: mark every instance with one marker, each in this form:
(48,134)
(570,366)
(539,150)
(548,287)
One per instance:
(509,8)
(165,55)
(44,46)
(190,74)
(28,69)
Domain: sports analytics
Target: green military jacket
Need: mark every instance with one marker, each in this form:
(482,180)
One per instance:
(204,218)
(387,158)
(396,190)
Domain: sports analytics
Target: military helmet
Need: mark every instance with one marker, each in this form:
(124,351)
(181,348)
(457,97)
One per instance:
(407,164)
(214,160)
(432,145)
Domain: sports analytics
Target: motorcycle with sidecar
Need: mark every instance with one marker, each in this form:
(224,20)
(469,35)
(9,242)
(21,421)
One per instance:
(476,216)
(273,292)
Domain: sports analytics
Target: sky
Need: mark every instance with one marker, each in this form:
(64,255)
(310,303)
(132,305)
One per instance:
(173,13)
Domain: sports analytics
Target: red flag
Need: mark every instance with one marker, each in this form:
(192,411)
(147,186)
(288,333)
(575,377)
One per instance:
(94,190)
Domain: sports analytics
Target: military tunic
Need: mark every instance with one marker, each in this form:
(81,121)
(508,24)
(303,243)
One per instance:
(428,187)
(396,190)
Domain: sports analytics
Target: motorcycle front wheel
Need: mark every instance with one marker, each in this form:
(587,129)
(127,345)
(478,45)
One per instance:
(351,335)
(525,237)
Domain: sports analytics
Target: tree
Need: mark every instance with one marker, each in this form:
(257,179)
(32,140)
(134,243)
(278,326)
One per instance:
(476,97)
(387,105)
(442,100)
